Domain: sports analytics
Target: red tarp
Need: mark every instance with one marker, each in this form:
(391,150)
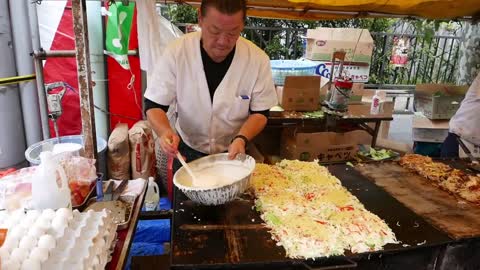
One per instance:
(121,99)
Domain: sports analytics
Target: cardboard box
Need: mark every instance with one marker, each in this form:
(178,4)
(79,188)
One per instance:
(357,43)
(301,93)
(439,101)
(364,109)
(323,42)
(324,146)
(426,130)
(357,71)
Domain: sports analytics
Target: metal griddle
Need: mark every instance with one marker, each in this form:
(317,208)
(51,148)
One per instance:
(232,236)
(460,220)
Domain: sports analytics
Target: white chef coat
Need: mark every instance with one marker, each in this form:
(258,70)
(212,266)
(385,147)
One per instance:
(179,76)
(466,121)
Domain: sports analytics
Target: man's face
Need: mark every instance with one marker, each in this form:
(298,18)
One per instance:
(220,32)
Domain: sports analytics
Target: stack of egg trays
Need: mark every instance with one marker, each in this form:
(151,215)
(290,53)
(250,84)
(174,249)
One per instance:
(61,239)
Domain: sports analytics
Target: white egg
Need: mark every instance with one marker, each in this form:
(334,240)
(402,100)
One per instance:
(59,224)
(26,223)
(36,231)
(11,243)
(4,254)
(32,215)
(19,254)
(27,242)
(47,241)
(11,264)
(9,223)
(39,253)
(64,212)
(16,232)
(31,264)
(18,215)
(48,213)
(43,223)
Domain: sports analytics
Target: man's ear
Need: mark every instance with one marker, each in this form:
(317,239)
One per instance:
(200,17)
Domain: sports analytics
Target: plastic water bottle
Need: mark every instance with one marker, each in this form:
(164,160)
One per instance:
(153,195)
(375,107)
(46,192)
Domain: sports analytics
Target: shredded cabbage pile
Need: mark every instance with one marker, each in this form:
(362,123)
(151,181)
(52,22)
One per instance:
(311,214)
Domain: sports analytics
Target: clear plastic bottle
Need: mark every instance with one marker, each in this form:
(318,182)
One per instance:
(46,192)
(375,107)
(153,195)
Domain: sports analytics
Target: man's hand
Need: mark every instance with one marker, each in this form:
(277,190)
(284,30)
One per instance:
(169,142)
(237,146)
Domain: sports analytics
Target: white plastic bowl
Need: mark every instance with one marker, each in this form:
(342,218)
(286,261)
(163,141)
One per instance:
(216,195)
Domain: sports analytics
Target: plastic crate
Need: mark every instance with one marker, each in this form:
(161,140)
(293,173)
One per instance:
(438,101)
(438,107)
(284,68)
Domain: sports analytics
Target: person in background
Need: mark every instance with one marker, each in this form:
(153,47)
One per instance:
(221,83)
(465,124)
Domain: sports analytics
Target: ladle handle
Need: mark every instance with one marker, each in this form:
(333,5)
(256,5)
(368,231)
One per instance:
(184,164)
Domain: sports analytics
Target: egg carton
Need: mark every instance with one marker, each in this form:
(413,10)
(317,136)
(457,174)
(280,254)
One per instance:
(61,239)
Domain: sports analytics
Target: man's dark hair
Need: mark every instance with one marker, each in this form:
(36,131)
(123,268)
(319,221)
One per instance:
(228,7)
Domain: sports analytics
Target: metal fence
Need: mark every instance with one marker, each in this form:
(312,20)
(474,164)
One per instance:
(430,59)
(279,43)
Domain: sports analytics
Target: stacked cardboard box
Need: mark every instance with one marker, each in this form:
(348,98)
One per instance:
(357,43)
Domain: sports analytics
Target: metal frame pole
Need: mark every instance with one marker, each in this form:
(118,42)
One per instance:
(85,84)
(38,65)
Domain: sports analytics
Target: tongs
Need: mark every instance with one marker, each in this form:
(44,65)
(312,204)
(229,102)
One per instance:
(475,164)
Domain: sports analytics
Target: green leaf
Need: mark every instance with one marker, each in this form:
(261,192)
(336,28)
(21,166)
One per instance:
(273,219)
(258,206)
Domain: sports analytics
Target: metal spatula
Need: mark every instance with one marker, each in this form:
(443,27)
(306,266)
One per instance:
(475,164)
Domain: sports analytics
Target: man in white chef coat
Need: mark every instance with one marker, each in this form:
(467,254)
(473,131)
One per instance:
(465,124)
(221,83)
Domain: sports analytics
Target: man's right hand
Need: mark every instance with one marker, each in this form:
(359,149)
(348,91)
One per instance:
(169,142)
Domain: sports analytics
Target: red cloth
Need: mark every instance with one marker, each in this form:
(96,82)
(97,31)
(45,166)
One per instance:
(122,99)
(65,69)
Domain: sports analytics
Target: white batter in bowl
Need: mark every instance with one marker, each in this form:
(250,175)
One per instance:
(219,179)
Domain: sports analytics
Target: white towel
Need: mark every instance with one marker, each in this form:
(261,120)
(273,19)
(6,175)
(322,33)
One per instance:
(133,188)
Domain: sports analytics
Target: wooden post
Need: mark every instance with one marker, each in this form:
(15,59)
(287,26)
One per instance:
(85,86)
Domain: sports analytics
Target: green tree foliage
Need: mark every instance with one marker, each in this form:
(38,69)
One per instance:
(180,13)
(281,39)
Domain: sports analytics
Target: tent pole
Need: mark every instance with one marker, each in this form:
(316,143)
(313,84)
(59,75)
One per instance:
(42,97)
(28,93)
(79,11)
(68,53)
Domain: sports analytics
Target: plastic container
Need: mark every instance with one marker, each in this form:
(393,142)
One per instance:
(32,154)
(46,193)
(340,95)
(153,195)
(375,107)
(284,68)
